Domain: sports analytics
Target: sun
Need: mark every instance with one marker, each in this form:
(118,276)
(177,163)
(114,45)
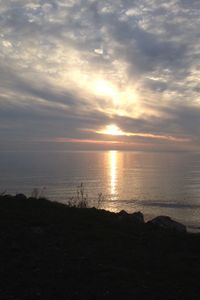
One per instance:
(104,88)
(111,129)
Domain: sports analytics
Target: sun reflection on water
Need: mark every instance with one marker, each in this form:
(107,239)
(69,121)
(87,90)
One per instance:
(113,172)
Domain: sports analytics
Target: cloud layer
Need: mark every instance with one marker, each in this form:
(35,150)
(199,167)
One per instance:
(70,67)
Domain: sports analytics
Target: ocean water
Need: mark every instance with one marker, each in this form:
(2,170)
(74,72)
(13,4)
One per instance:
(153,183)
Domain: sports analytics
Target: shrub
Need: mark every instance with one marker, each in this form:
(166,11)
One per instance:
(81,199)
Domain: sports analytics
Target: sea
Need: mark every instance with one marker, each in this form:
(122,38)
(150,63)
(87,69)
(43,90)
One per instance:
(155,183)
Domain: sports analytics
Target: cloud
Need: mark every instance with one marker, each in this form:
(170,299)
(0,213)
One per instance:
(53,53)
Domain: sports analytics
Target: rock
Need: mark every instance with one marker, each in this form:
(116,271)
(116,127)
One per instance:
(20,197)
(136,217)
(123,216)
(167,223)
(123,213)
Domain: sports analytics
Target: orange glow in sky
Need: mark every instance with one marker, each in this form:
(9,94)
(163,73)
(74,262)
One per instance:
(114,130)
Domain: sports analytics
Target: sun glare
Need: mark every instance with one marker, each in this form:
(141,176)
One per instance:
(104,88)
(111,129)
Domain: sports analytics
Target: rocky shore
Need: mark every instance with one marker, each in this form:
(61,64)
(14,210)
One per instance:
(52,251)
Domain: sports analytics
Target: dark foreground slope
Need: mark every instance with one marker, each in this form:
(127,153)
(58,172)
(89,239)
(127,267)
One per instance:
(49,251)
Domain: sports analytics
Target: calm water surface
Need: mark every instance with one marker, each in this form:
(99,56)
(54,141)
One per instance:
(154,183)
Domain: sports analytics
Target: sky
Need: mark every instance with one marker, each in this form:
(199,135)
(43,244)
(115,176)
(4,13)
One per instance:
(88,74)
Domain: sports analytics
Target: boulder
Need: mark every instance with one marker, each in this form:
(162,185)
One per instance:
(136,217)
(20,197)
(123,213)
(166,222)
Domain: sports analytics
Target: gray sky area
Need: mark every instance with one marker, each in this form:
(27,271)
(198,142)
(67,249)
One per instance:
(88,74)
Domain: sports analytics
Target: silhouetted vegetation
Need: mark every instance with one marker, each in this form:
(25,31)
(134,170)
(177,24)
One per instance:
(82,200)
(38,193)
(52,251)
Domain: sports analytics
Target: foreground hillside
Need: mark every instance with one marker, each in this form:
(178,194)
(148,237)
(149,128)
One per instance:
(50,251)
